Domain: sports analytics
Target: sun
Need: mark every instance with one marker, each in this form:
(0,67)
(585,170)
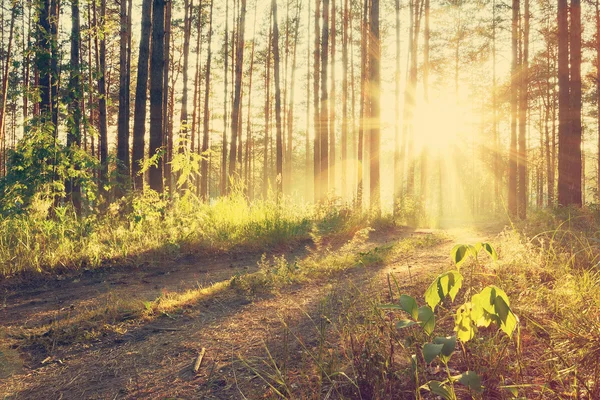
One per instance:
(438,124)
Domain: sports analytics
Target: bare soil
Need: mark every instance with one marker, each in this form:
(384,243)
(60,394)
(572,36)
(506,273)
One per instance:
(154,359)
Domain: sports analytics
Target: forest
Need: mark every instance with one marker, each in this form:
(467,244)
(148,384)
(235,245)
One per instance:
(312,199)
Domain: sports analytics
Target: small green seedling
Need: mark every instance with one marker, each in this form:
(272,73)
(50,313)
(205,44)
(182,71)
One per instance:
(490,305)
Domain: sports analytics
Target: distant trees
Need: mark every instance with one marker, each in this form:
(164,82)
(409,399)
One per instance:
(332,140)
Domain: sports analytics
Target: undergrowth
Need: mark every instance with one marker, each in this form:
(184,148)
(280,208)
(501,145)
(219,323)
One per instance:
(141,228)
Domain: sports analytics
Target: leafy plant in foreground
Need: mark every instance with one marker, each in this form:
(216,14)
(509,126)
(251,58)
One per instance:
(490,305)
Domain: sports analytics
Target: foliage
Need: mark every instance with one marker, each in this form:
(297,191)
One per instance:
(39,167)
(490,305)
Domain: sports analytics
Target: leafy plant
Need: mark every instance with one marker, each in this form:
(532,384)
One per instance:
(490,305)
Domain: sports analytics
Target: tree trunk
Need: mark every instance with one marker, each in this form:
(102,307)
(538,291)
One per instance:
(75,92)
(267,110)
(187,32)
(237,105)
(249,137)
(102,117)
(141,97)
(344,165)
(398,170)
(374,85)
(316,106)
(123,118)
(279,137)
(523,97)
(3,95)
(167,116)
(332,156)
(514,97)
(363,106)
(324,113)
(225,87)
(290,110)
(598,91)
(157,60)
(570,192)
(204,171)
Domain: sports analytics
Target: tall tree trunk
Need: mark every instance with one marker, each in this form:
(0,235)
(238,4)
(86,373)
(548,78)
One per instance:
(141,97)
(187,32)
(4,94)
(237,104)
(54,64)
(363,106)
(204,171)
(279,137)
(167,115)
(290,110)
(197,80)
(249,137)
(225,87)
(374,85)
(332,156)
(398,170)
(569,192)
(324,112)
(344,166)
(523,97)
(514,97)
(102,117)
(123,118)
(307,192)
(598,90)
(157,60)
(76,94)
(497,171)
(267,110)
(316,106)
(184,127)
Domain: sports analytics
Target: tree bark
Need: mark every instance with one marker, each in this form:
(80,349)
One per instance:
(205,137)
(141,97)
(374,95)
(237,105)
(123,117)
(316,106)
(76,94)
(157,60)
(514,97)
(324,112)
(279,137)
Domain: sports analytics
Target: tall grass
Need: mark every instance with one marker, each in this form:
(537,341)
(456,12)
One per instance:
(145,226)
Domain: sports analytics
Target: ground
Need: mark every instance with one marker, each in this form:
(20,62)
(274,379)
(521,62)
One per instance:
(154,357)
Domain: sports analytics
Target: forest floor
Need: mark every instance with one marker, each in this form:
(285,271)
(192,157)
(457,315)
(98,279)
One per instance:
(242,332)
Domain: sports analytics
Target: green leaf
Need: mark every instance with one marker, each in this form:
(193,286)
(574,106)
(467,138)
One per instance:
(405,323)
(427,319)
(488,248)
(409,305)
(448,283)
(459,254)
(449,344)
(463,323)
(492,304)
(471,380)
(438,388)
(431,351)
(507,318)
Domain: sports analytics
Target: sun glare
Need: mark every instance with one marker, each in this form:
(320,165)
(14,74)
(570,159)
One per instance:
(437,124)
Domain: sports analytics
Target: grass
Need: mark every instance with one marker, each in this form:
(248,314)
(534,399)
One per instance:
(549,268)
(145,227)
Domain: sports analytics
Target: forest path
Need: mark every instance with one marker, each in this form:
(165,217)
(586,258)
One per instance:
(153,359)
